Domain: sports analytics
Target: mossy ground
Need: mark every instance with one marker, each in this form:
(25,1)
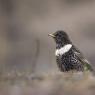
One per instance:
(47,84)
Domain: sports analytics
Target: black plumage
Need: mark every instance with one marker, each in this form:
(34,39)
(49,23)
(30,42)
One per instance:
(72,59)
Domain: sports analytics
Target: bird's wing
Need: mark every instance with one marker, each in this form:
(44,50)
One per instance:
(81,58)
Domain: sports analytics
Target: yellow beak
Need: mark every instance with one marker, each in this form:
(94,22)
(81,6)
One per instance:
(51,35)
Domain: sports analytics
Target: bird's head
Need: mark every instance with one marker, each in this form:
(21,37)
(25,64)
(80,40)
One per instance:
(61,38)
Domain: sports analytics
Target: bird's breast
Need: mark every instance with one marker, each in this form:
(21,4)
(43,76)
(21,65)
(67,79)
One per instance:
(63,50)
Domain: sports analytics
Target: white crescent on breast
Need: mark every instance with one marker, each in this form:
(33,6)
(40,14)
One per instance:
(63,50)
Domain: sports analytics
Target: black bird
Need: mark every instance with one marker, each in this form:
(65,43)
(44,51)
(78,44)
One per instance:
(68,57)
